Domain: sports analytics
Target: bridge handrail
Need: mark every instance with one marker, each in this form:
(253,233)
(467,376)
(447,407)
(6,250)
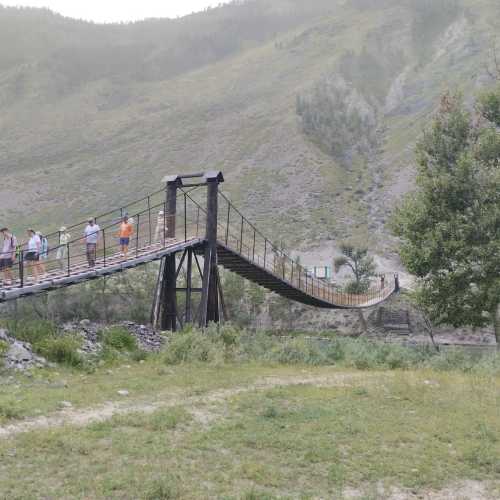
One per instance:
(323,289)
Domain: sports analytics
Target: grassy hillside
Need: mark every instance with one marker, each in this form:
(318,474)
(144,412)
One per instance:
(93,115)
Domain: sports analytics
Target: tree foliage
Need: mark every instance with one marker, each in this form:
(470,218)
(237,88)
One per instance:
(361,265)
(450,227)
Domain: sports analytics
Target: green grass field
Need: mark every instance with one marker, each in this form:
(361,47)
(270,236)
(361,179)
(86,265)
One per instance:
(248,431)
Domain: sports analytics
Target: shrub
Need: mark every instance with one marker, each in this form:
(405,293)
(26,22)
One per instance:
(163,489)
(193,345)
(4,347)
(119,339)
(33,332)
(62,350)
(298,351)
(8,411)
(218,344)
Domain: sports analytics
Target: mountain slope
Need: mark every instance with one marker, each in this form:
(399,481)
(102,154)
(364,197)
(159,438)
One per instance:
(79,131)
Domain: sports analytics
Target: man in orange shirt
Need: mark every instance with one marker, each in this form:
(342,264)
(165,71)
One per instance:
(126,231)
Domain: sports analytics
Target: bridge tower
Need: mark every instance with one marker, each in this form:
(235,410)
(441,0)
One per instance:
(210,308)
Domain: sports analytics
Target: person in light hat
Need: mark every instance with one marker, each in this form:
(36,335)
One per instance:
(64,239)
(161,227)
(44,253)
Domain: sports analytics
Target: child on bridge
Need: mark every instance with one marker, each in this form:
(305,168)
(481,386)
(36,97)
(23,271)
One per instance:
(125,233)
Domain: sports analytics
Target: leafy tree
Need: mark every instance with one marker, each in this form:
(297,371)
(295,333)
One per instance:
(450,227)
(360,263)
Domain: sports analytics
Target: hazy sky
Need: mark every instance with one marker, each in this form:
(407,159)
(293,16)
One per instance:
(118,10)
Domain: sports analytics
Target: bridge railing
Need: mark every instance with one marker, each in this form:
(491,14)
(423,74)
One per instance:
(239,234)
(67,252)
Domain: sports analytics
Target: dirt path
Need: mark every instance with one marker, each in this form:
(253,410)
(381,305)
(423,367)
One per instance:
(203,414)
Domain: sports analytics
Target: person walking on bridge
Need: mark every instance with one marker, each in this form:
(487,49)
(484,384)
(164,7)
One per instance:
(160,231)
(91,234)
(32,255)
(64,239)
(44,253)
(126,230)
(8,255)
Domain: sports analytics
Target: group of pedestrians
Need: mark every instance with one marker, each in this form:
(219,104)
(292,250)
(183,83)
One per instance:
(34,253)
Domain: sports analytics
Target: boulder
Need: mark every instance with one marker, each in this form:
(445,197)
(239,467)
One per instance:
(20,357)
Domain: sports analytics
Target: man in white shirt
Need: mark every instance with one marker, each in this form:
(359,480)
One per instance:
(91,239)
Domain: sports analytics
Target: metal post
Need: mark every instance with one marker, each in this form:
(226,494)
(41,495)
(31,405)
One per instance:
(137,235)
(69,260)
(253,249)
(149,221)
(189,284)
(21,268)
(241,234)
(265,251)
(104,245)
(185,217)
(228,218)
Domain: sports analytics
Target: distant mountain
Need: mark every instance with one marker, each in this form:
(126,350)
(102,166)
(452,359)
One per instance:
(310,107)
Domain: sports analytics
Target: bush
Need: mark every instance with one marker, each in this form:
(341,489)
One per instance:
(62,350)
(193,345)
(33,332)
(163,489)
(306,351)
(4,347)
(460,360)
(219,344)
(119,339)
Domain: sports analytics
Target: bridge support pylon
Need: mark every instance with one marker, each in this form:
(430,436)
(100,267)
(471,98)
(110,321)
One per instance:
(210,308)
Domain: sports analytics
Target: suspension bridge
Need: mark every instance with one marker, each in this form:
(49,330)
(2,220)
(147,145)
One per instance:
(191,236)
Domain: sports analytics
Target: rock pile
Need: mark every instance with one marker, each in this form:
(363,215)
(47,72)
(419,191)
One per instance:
(88,332)
(19,355)
(147,339)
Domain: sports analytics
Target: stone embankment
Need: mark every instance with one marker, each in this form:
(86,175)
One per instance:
(19,355)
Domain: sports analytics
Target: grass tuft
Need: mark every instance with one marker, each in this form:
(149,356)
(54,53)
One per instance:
(163,489)
(119,339)
(63,350)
